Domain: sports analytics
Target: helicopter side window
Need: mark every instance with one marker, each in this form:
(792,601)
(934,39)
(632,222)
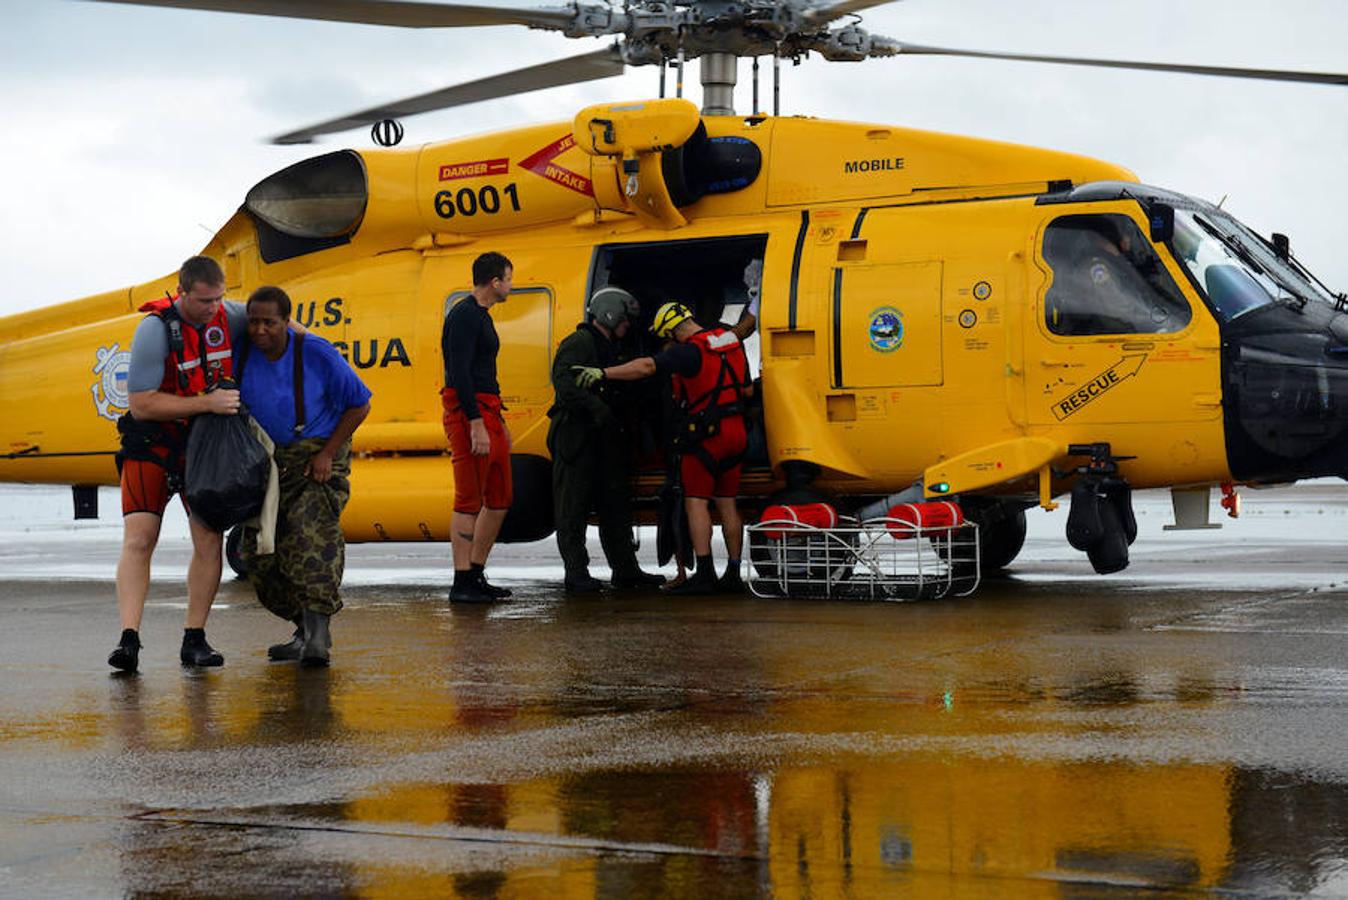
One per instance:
(1107,279)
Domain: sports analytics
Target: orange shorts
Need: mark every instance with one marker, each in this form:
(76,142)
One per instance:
(478,480)
(145,488)
(698,480)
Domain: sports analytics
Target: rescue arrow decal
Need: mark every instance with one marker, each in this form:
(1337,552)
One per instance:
(1099,385)
(541,164)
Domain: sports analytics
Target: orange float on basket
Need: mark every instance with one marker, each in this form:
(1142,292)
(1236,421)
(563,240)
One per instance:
(910,519)
(796,516)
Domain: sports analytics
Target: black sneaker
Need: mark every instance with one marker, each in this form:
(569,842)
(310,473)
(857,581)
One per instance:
(697,586)
(469,591)
(126,656)
(731,583)
(582,583)
(637,580)
(493,591)
(200,654)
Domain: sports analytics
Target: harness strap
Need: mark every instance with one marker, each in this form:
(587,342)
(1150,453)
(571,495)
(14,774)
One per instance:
(301,419)
(297,374)
(173,324)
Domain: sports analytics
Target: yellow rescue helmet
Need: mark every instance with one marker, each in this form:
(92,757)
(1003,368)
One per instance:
(668,317)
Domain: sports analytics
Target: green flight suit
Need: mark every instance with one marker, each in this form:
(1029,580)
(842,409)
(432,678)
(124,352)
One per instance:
(589,448)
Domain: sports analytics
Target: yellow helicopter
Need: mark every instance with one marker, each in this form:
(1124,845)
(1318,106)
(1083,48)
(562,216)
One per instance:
(941,316)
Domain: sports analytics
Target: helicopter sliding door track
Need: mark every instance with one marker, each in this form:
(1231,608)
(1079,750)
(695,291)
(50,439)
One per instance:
(879,559)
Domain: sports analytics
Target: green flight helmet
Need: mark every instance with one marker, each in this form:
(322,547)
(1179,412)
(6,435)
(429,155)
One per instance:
(611,306)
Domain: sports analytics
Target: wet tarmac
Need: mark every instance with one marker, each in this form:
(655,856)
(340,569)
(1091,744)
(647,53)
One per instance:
(1178,728)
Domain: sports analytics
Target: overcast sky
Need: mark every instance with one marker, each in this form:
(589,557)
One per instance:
(131,134)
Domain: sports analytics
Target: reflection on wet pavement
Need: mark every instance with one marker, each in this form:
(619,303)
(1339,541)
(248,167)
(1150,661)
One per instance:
(1036,740)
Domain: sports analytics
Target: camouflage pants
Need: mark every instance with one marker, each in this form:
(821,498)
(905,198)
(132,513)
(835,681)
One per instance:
(305,572)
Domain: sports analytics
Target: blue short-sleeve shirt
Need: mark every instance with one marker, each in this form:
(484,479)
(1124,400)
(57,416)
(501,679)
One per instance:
(331,387)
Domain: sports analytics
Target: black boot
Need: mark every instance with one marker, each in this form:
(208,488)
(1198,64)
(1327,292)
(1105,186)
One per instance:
(637,580)
(196,652)
(317,639)
(127,655)
(731,582)
(491,590)
(290,650)
(581,582)
(702,582)
(466,589)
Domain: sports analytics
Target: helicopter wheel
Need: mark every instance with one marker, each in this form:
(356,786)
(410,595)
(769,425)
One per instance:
(232,556)
(1001,533)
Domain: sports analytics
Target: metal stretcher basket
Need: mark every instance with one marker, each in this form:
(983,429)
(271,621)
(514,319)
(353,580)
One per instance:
(879,559)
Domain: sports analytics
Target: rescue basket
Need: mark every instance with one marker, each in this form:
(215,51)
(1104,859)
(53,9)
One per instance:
(917,551)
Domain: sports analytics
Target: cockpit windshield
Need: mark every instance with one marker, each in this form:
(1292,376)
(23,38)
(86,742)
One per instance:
(1236,268)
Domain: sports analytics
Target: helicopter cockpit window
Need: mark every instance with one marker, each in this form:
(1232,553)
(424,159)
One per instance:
(1231,265)
(1107,279)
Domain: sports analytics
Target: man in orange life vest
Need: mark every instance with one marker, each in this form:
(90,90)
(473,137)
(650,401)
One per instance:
(710,375)
(181,349)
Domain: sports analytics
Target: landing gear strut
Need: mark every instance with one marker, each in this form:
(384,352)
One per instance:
(1101,521)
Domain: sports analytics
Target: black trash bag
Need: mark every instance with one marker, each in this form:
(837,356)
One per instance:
(227,470)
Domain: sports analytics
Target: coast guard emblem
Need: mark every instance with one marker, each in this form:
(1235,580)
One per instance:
(109,389)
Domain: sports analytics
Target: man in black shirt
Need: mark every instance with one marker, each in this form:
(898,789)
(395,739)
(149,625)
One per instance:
(479,440)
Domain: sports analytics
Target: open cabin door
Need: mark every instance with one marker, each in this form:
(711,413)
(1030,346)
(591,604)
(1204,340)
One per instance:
(708,275)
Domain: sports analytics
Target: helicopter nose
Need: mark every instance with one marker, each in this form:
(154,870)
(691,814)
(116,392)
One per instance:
(1285,374)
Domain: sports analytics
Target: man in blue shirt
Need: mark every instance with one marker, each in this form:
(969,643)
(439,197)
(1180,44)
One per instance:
(311,427)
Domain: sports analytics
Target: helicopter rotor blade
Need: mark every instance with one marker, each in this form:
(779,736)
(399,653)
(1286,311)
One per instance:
(399,13)
(585,67)
(820,14)
(887,47)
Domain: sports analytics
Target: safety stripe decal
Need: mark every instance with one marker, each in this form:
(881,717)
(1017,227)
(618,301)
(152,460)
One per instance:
(795,266)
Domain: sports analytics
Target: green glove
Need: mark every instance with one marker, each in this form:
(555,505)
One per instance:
(588,376)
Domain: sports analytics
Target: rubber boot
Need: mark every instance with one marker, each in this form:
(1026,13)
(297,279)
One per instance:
(291,650)
(317,639)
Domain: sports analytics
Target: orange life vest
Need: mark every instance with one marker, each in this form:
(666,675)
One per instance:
(721,379)
(198,357)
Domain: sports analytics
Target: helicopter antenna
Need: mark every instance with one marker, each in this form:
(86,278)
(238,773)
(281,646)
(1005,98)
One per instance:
(1223,200)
